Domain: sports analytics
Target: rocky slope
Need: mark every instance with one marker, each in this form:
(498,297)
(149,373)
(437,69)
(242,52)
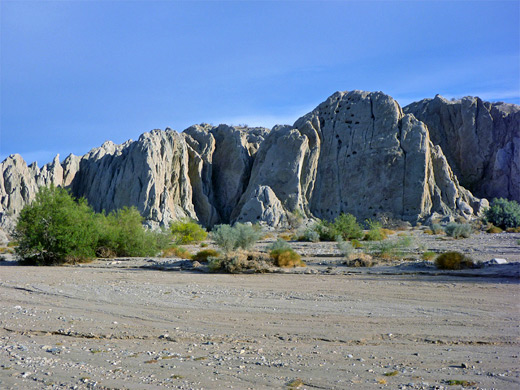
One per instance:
(357,152)
(481,141)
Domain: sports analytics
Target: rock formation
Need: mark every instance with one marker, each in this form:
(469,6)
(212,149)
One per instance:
(481,141)
(357,152)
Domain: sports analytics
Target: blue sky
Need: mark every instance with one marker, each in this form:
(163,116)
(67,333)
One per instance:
(77,73)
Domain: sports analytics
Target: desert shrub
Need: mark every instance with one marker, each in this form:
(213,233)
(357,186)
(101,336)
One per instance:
(122,232)
(204,255)
(310,235)
(177,251)
(279,245)
(56,228)
(390,249)
(286,236)
(286,258)
(225,237)
(453,261)
(356,244)
(240,262)
(229,238)
(248,235)
(187,231)
(503,213)
(345,247)
(360,260)
(375,232)
(387,232)
(492,229)
(458,230)
(428,255)
(436,228)
(295,219)
(346,226)
(325,230)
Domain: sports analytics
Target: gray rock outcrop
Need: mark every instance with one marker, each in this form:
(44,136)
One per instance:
(481,141)
(357,152)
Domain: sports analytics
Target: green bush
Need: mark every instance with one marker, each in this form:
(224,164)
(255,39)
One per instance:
(347,227)
(122,232)
(390,249)
(225,237)
(55,229)
(375,232)
(284,256)
(247,235)
(503,213)
(458,230)
(187,231)
(230,238)
(279,245)
(453,261)
(325,230)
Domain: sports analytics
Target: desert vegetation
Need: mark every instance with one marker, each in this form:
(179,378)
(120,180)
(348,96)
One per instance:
(458,230)
(56,229)
(453,261)
(187,231)
(503,213)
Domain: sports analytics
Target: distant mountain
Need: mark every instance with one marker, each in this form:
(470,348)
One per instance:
(357,152)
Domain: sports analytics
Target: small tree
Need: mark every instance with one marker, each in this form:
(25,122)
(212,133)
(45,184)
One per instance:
(55,228)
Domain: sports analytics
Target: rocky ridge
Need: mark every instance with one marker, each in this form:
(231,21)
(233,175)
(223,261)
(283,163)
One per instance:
(357,152)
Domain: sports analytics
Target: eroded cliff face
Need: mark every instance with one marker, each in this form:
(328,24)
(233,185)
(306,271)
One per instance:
(481,141)
(357,152)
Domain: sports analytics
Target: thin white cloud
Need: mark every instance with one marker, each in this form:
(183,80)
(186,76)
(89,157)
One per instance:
(266,120)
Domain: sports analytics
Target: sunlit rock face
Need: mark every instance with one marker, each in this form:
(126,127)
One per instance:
(358,152)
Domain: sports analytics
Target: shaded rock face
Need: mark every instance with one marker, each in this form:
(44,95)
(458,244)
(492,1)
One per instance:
(481,141)
(357,152)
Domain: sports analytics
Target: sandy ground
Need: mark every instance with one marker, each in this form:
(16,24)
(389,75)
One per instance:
(115,325)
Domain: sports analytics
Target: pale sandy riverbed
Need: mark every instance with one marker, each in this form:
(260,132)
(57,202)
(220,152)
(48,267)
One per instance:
(124,328)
